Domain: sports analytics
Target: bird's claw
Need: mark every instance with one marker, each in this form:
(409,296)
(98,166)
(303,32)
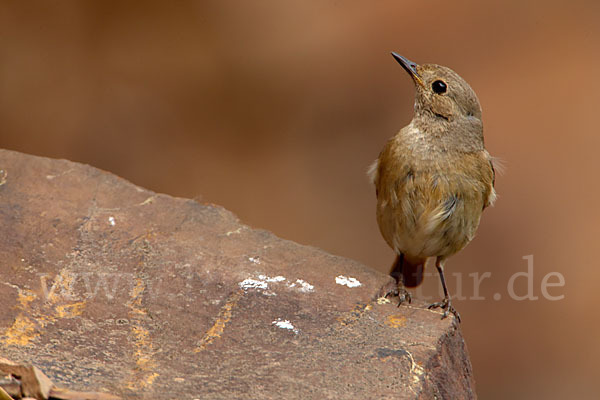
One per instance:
(397,290)
(446,305)
(403,296)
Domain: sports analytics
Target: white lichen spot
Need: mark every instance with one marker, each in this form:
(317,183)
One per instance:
(277,278)
(285,324)
(263,281)
(255,260)
(253,284)
(111,221)
(238,230)
(346,281)
(303,286)
(147,201)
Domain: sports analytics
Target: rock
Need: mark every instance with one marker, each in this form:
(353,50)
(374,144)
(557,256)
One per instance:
(10,386)
(27,380)
(110,287)
(32,381)
(65,394)
(4,395)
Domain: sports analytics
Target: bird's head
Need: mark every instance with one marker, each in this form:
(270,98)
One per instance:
(441,92)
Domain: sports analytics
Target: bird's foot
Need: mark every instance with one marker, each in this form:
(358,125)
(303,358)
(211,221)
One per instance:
(403,295)
(446,305)
(394,289)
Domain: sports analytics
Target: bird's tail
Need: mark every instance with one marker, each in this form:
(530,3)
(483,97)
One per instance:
(410,272)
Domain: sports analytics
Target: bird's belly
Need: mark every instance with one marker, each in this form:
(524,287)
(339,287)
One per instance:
(422,226)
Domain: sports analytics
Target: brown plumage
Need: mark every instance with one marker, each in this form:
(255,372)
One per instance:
(434,178)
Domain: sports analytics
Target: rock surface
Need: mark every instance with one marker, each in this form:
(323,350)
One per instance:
(109,287)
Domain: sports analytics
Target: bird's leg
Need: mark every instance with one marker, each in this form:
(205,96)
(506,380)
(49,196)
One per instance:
(398,289)
(445,304)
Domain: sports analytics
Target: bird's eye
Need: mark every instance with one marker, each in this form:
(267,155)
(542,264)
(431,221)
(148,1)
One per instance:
(439,87)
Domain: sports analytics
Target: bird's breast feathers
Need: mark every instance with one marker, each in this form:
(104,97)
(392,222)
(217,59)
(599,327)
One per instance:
(432,207)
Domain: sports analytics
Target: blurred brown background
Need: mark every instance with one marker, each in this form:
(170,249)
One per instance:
(275,109)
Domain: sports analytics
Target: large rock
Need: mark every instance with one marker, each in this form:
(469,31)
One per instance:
(109,287)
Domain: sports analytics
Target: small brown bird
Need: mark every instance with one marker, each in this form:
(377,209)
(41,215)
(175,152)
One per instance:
(433,179)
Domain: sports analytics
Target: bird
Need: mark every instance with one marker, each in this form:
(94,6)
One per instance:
(433,179)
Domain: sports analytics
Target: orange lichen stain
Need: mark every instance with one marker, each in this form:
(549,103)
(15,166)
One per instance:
(142,344)
(70,310)
(150,379)
(135,304)
(25,329)
(21,332)
(223,318)
(144,359)
(395,321)
(137,291)
(45,319)
(144,374)
(25,297)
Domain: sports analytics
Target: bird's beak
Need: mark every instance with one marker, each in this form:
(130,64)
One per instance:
(410,67)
